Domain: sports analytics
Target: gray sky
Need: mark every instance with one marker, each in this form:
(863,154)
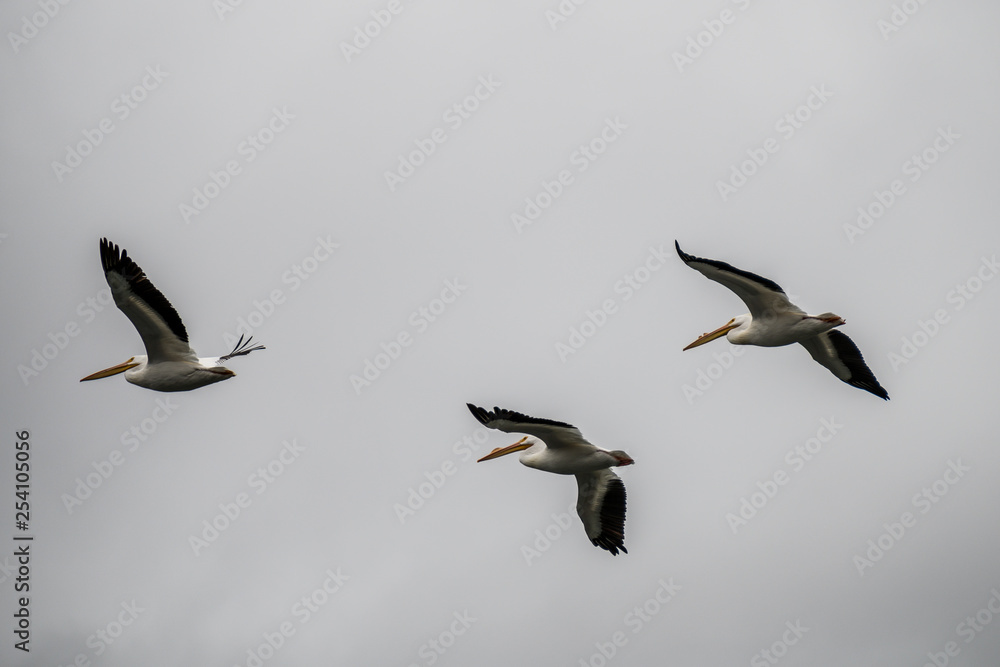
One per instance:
(241,158)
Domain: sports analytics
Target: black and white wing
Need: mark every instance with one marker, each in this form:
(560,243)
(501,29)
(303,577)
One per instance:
(157,322)
(601,506)
(762,296)
(554,434)
(839,353)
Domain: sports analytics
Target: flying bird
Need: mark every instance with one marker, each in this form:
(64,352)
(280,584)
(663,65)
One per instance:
(169,363)
(560,448)
(774,321)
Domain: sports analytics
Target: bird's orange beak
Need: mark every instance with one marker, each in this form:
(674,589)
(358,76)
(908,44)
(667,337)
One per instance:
(502,451)
(712,335)
(114,370)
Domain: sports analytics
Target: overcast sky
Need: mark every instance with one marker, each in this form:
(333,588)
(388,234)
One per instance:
(415,205)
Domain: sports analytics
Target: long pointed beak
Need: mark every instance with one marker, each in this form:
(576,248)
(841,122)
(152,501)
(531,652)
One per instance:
(114,370)
(712,335)
(510,449)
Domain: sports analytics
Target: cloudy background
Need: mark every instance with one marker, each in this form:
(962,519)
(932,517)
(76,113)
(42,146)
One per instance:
(118,119)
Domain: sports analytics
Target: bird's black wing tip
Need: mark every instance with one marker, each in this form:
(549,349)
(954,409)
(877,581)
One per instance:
(680,253)
(115,258)
(876,389)
(609,546)
(861,376)
(613,510)
(485,417)
(881,393)
(480,414)
(111,255)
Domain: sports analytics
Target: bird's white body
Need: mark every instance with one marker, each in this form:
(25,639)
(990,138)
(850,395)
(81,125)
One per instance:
(568,459)
(177,375)
(783,327)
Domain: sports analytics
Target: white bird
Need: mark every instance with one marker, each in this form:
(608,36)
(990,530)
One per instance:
(560,448)
(774,321)
(169,363)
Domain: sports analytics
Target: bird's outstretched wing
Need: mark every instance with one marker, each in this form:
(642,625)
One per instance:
(762,296)
(554,434)
(839,353)
(157,322)
(601,506)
